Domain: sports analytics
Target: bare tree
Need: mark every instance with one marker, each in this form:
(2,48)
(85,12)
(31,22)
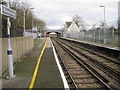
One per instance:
(80,21)
(19,7)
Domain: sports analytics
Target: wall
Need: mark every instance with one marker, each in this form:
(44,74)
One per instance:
(20,46)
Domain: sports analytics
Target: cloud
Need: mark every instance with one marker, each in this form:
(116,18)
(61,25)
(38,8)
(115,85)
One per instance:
(56,12)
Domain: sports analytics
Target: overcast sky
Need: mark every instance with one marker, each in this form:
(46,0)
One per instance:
(56,12)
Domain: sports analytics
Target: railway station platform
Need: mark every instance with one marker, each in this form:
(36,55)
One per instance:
(95,44)
(37,69)
(96,47)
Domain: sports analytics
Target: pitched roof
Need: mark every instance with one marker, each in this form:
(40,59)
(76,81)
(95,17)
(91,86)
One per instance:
(69,23)
(73,27)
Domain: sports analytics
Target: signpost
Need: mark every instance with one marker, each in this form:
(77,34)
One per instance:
(9,13)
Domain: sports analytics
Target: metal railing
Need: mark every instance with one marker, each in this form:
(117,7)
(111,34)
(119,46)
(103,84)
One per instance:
(107,37)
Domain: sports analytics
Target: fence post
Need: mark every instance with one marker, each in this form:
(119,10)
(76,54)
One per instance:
(99,35)
(113,36)
(94,35)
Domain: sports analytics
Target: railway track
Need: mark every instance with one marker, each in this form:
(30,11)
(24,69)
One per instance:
(78,72)
(111,66)
(114,60)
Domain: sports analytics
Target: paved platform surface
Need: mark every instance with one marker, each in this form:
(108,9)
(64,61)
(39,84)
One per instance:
(48,75)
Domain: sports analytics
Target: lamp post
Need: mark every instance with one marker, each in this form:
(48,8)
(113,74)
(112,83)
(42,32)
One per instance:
(24,20)
(104,12)
(104,24)
(119,25)
(32,21)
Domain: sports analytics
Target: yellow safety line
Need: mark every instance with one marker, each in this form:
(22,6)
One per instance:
(31,85)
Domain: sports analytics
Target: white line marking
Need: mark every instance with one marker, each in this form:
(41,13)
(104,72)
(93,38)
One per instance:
(60,69)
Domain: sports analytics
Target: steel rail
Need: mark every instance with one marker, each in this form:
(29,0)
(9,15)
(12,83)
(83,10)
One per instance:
(95,53)
(66,69)
(111,71)
(104,56)
(103,81)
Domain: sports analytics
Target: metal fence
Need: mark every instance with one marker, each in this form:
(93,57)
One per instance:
(107,37)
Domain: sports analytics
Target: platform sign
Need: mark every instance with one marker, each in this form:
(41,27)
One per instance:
(8,12)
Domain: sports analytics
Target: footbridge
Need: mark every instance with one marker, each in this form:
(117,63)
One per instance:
(58,32)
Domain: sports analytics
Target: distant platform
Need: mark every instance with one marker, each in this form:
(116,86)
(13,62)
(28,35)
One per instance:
(95,44)
(112,52)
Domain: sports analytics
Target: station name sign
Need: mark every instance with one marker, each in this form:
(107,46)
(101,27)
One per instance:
(7,11)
